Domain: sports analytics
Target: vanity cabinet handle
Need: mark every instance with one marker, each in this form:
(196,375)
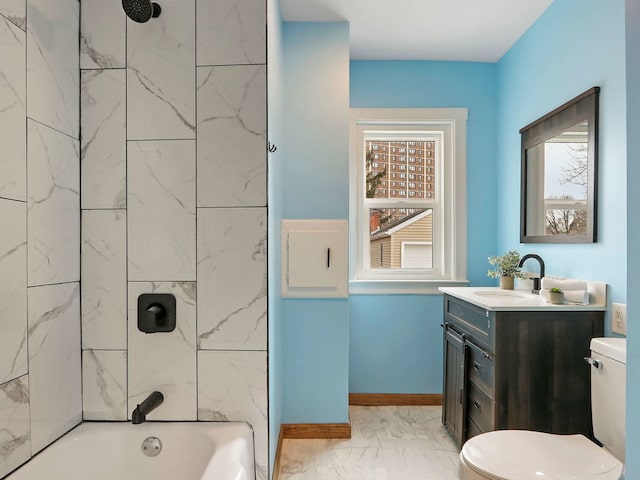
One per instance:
(476,405)
(477,367)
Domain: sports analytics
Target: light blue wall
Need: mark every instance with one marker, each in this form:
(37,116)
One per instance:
(315,184)
(316,356)
(316,177)
(574,45)
(396,341)
(395,344)
(276,137)
(633,234)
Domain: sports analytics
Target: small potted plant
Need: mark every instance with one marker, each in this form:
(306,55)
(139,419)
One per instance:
(506,269)
(556,296)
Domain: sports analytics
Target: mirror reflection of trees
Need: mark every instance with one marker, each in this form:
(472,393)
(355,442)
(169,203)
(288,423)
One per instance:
(565,221)
(576,172)
(570,221)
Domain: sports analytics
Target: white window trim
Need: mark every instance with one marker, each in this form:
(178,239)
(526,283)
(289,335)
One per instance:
(452,254)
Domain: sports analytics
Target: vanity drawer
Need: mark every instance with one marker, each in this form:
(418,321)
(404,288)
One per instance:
(473,320)
(480,366)
(480,407)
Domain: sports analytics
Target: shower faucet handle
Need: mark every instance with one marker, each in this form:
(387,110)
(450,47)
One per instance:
(156,314)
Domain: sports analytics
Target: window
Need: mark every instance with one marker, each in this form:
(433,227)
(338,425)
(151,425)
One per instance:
(413,239)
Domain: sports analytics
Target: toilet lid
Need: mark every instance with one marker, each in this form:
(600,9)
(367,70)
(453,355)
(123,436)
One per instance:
(525,455)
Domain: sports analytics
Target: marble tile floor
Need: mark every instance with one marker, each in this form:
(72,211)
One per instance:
(387,443)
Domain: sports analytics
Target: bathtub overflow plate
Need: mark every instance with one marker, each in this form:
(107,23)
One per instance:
(151,446)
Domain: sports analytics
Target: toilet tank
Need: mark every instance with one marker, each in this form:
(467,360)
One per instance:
(608,393)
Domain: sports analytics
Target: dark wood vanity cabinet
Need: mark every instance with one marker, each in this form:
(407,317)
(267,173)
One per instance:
(516,369)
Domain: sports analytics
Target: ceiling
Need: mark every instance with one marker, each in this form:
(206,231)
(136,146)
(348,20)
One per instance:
(461,30)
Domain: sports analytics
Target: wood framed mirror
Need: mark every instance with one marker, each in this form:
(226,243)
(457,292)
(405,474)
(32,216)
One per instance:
(559,176)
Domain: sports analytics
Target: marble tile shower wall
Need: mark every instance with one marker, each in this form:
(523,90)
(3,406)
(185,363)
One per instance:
(40,373)
(173,154)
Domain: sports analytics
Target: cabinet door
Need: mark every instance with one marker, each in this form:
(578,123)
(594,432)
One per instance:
(455,395)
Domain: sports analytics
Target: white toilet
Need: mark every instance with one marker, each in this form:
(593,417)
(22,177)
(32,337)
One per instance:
(525,455)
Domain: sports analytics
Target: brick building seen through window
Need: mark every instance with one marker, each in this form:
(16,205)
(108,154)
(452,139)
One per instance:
(409,173)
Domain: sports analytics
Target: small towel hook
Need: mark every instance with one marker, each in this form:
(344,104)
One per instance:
(272,148)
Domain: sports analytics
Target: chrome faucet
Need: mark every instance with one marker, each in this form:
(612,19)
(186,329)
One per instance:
(536,280)
(148,405)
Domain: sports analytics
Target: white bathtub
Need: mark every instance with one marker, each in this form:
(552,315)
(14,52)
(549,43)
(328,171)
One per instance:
(110,451)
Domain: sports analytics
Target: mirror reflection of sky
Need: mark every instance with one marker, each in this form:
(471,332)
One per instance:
(559,157)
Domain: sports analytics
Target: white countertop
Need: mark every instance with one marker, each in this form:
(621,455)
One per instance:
(497,299)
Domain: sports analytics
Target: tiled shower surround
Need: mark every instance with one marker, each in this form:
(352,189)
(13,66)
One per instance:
(40,372)
(170,176)
(174,201)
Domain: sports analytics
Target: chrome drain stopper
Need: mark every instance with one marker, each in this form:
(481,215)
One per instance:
(151,446)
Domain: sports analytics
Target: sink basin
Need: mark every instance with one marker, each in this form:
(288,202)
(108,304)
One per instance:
(504,294)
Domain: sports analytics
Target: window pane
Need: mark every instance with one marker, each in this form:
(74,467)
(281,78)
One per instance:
(400,238)
(379,168)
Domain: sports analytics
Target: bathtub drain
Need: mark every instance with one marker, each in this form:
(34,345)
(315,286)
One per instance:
(151,446)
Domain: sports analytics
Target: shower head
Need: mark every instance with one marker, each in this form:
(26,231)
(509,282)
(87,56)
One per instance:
(141,11)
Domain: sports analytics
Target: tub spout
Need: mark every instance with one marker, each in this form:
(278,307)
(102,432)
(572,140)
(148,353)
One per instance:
(149,404)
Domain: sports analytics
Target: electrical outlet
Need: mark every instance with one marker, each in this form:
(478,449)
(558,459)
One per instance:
(619,318)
